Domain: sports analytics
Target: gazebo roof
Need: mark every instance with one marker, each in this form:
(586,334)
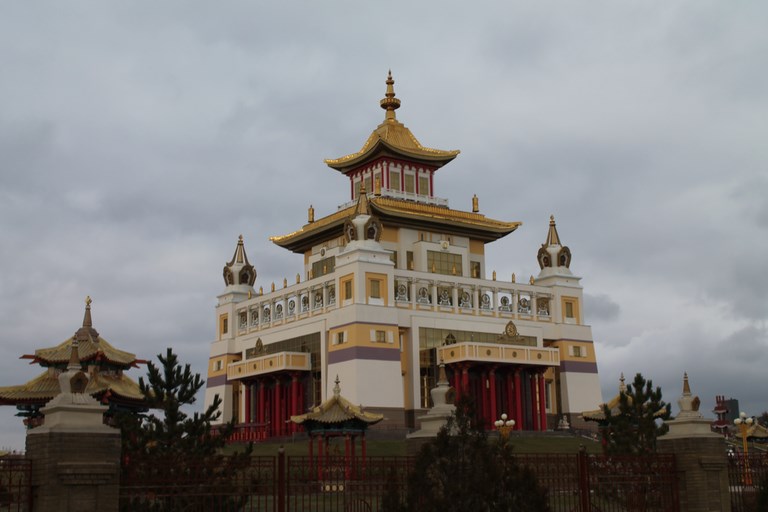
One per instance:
(338,411)
(613,405)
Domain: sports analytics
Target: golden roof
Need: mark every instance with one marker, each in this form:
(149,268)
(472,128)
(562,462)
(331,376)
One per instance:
(400,212)
(91,346)
(337,409)
(45,386)
(392,137)
(613,405)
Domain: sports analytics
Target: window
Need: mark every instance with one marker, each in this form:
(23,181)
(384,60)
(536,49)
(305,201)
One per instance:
(218,365)
(381,336)
(569,309)
(423,185)
(368,184)
(375,289)
(440,262)
(475,268)
(577,352)
(410,183)
(224,324)
(394,180)
(409,260)
(348,290)
(339,338)
(323,267)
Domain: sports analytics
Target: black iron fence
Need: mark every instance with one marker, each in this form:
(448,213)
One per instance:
(748,481)
(15,487)
(575,482)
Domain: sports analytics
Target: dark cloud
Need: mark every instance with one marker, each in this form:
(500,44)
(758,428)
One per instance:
(136,148)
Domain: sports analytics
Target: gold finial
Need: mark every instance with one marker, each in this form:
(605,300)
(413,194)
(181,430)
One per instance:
(261,290)
(240,238)
(494,275)
(514,278)
(249,294)
(273,286)
(285,283)
(311,215)
(552,237)
(88,301)
(475,204)
(530,281)
(298,278)
(390,103)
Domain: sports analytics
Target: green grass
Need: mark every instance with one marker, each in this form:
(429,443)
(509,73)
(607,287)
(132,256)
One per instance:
(522,444)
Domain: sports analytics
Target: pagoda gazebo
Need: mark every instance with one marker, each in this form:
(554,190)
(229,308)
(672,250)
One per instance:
(104,364)
(336,417)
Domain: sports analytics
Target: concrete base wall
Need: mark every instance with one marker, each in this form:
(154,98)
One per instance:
(702,467)
(75,471)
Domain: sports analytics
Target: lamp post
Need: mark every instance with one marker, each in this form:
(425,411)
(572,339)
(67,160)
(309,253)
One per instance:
(504,426)
(743,423)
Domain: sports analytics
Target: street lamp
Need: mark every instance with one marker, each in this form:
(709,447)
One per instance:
(504,426)
(743,422)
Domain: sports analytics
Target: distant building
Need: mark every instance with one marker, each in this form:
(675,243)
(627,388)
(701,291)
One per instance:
(104,364)
(394,282)
(726,410)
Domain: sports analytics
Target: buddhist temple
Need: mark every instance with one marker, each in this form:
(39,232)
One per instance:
(394,281)
(104,364)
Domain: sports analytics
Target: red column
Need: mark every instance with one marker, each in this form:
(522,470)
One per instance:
(484,399)
(319,457)
(294,399)
(260,409)
(465,380)
(542,402)
(518,401)
(247,411)
(494,415)
(456,386)
(534,402)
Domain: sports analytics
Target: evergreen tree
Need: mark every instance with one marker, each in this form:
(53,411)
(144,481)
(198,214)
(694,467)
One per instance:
(461,470)
(633,429)
(175,448)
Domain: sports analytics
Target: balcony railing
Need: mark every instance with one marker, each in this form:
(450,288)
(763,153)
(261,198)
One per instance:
(282,361)
(496,353)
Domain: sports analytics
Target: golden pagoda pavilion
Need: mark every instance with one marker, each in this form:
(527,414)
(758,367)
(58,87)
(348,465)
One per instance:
(394,282)
(104,364)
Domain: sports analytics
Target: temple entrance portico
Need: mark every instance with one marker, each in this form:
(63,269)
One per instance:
(502,379)
(273,388)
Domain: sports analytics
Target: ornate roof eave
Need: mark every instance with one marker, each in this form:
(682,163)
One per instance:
(44,387)
(90,350)
(376,147)
(400,213)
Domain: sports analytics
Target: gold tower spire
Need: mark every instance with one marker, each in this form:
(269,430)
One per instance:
(390,103)
(552,236)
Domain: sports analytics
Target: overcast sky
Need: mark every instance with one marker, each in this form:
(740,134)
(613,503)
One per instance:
(139,139)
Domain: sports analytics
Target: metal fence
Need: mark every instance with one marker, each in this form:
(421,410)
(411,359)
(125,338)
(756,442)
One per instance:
(748,480)
(15,486)
(574,482)
(585,483)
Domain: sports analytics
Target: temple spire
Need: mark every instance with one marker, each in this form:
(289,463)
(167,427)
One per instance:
(87,331)
(390,103)
(363,208)
(552,236)
(239,271)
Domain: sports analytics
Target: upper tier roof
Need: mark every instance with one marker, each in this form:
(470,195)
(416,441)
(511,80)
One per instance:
(399,212)
(392,138)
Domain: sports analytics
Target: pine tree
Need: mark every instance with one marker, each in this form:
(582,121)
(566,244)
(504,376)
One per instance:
(174,447)
(633,429)
(462,470)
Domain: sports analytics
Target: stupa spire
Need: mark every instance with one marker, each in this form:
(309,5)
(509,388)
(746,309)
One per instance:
(87,331)
(390,103)
(552,237)
(239,271)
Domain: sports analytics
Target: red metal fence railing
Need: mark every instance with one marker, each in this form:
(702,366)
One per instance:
(574,482)
(583,482)
(747,479)
(15,486)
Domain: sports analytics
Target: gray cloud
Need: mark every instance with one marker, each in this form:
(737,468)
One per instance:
(136,148)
